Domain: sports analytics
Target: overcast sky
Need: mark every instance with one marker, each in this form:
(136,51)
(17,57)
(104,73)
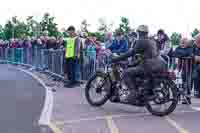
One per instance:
(172,15)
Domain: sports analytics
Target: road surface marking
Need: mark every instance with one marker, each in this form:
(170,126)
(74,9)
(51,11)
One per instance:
(176,125)
(54,128)
(99,118)
(195,108)
(111,124)
(48,103)
(113,116)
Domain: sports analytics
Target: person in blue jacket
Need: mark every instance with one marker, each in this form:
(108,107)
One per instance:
(119,44)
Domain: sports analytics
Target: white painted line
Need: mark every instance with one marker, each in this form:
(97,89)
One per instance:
(195,108)
(48,104)
(176,125)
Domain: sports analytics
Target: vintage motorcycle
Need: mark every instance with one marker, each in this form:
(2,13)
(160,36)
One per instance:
(104,86)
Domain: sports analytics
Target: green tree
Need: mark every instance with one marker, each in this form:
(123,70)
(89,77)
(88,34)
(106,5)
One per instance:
(48,24)
(34,26)
(195,32)
(2,34)
(15,28)
(124,25)
(104,27)
(64,32)
(100,36)
(8,29)
(175,38)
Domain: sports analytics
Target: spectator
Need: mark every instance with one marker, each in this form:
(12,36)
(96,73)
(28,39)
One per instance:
(38,43)
(120,44)
(90,59)
(34,44)
(60,42)
(45,35)
(96,43)
(163,43)
(20,44)
(13,43)
(38,54)
(83,39)
(44,41)
(184,50)
(1,43)
(132,36)
(72,56)
(51,43)
(5,44)
(196,72)
(27,43)
(108,40)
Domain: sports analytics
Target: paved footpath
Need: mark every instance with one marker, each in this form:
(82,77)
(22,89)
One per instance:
(72,114)
(21,101)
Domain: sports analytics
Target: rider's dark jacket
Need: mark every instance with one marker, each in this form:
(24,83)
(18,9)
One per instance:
(147,49)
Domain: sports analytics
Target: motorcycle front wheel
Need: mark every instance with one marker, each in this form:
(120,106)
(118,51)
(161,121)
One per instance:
(165,92)
(99,85)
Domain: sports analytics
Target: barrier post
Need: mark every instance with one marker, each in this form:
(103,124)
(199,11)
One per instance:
(6,55)
(53,61)
(13,55)
(62,63)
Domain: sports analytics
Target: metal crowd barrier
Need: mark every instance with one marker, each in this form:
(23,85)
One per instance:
(185,65)
(44,60)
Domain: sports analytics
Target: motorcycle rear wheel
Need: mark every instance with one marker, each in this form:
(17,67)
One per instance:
(168,84)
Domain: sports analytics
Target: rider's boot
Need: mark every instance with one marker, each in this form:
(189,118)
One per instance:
(149,95)
(148,90)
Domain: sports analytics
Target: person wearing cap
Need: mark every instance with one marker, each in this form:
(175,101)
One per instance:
(196,72)
(148,61)
(119,44)
(72,57)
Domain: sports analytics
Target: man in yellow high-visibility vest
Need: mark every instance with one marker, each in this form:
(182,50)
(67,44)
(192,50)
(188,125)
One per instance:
(72,56)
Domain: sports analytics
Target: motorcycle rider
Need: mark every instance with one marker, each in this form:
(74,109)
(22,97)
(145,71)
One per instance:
(149,61)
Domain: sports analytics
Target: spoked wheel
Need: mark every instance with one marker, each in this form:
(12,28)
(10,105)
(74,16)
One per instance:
(97,90)
(166,99)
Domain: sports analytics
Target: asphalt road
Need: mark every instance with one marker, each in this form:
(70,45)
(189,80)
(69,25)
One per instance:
(21,101)
(72,114)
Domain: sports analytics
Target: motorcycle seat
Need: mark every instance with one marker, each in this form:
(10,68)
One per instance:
(165,74)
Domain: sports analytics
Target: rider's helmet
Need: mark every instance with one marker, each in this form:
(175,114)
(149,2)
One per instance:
(143,31)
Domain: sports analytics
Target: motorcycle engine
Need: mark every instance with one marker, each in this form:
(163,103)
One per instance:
(123,92)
